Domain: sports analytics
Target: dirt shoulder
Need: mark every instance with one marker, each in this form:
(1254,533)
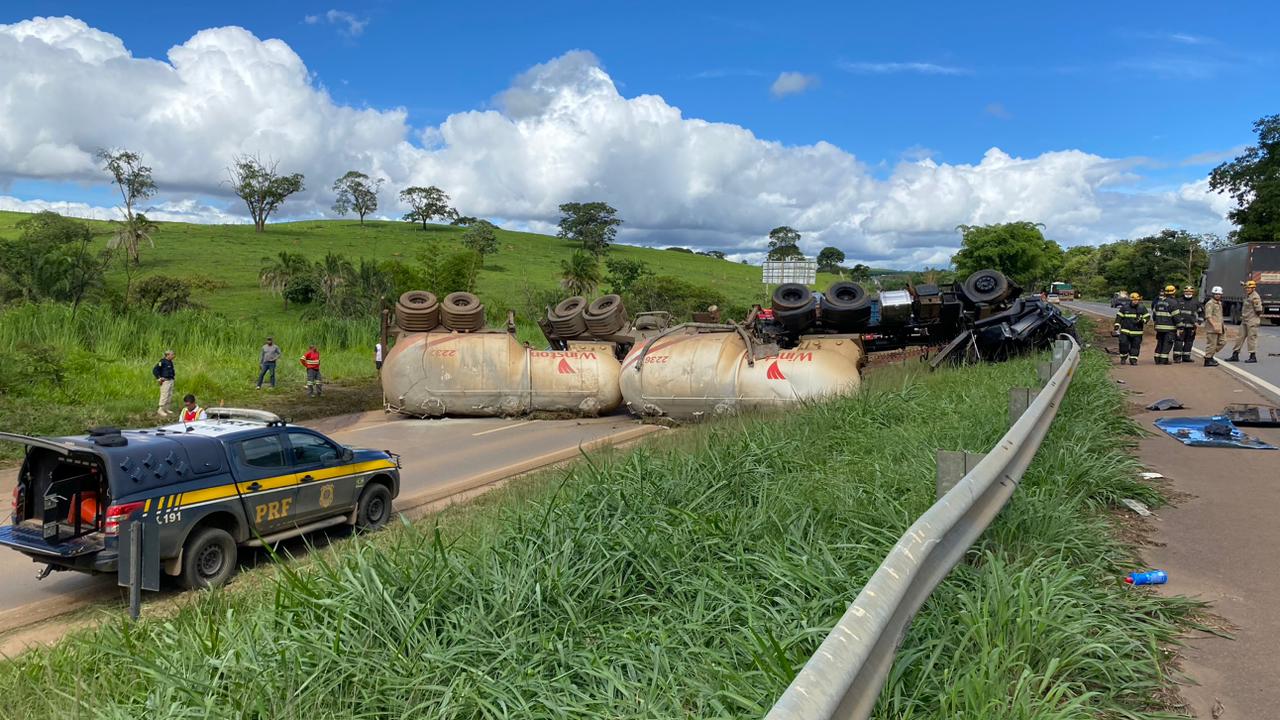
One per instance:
(1218,542)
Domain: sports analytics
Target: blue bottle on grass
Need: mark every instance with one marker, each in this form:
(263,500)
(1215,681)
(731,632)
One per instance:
(1154,577)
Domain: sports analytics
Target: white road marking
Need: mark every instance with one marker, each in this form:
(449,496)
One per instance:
(504,427)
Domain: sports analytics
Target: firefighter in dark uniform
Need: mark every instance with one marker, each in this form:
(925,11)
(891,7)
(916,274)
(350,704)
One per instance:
(1164,311)
(1130,319)
(1187,317)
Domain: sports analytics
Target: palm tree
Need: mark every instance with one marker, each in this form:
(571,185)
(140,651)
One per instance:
(130,234)
(332,273)
(580,273)
(276,275)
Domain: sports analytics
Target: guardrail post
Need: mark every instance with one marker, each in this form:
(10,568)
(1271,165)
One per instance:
(953,465)
(1019,400)
(1044,371)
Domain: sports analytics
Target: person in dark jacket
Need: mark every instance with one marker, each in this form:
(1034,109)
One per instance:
(1164,310)
(1188,316)
(164,374)
(1130,320)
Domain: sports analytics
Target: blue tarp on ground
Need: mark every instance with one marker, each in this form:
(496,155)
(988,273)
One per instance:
(1194,431)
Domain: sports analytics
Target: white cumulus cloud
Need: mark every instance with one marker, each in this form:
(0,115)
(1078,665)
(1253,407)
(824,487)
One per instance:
(561,132)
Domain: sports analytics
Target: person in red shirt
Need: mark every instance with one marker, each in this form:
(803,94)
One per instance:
(311,361)
(191,411)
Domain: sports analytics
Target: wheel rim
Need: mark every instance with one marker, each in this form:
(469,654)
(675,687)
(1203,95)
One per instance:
(985,284)
(210,560)
(377,508)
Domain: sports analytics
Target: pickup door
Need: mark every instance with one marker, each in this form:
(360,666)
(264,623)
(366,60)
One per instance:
(325,484)
(266,482)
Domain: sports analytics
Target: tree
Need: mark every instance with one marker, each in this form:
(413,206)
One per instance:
(785,252)
(717,254)
(356,193)
(426,204)
(1017,249)
(592,224)
(332,273)
(51,259)
(580,274)
(164,294)
(1253,181)
(134,181)
(783,235)
(481,238)
(283,272)
(1149,263)
(261,186)
(623,273)
(829,259)
(464,221)
(860,273)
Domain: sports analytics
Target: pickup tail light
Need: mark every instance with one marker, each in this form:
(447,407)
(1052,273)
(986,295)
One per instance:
(17,502)
(117,514)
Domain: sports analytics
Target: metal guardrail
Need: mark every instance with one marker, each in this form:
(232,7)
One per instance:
(845,676)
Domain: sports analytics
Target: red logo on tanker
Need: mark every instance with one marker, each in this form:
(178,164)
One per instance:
(774,373)
(565,368)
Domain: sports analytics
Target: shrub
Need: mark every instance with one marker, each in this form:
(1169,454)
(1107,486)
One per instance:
(676,296)
(164,294)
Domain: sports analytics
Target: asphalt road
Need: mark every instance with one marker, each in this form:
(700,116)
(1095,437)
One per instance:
(435,454)
(1266,369)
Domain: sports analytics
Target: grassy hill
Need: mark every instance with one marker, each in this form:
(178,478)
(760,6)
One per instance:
(232,255)
(61,372)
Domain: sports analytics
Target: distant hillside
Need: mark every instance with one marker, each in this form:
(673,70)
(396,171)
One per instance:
(232,255)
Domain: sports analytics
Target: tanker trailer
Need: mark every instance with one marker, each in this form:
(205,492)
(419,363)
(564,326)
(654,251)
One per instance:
(694,371)
(490,373)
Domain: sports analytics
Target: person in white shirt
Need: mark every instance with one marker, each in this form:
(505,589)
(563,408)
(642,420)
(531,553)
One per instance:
(377,355)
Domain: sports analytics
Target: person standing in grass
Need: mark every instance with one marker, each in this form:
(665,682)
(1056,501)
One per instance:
(267,359)
(377,355)
(164,374)
(311,361)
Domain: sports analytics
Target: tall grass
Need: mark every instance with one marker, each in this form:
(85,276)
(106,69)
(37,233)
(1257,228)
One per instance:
(683,580)
(68,370)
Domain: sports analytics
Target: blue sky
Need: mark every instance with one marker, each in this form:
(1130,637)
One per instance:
(1171,88)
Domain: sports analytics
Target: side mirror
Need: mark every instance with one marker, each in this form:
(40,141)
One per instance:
(347,454)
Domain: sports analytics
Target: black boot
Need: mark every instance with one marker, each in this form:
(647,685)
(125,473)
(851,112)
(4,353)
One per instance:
(1133,361)
(1235,357)
(1253,358)
(1177,358)
(1210,362)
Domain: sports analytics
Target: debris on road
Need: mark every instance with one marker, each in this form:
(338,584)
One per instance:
(1166,404)
(1216,431)
(1151,476)
(1136,506)
(1152,577)
(1255,415)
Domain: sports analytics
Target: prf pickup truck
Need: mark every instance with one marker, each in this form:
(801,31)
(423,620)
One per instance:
(239,478)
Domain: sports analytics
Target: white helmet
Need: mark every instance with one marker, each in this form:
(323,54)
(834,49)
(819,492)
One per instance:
(1217,290)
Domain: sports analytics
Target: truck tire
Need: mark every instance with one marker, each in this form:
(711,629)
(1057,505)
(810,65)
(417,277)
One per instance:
(417,311)
(566,317)
(791,296)
(846,306)
(986,286)
(605,316)
(208,558)
(374,508)
(462,311)
(1236,310)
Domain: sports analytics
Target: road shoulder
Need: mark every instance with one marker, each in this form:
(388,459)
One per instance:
(1217,542)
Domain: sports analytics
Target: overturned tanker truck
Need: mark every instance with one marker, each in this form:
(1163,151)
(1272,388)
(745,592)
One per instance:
(805,346)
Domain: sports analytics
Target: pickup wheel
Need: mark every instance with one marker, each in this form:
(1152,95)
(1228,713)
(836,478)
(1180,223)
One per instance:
(374,509)
(208,558)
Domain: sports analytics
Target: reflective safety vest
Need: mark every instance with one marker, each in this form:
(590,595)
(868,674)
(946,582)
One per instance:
(1164,309)
(1188,312)
(1131,319)
(190,416)
(311,360)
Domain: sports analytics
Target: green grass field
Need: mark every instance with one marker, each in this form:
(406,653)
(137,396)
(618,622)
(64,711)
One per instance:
(690,578)
(233,255)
